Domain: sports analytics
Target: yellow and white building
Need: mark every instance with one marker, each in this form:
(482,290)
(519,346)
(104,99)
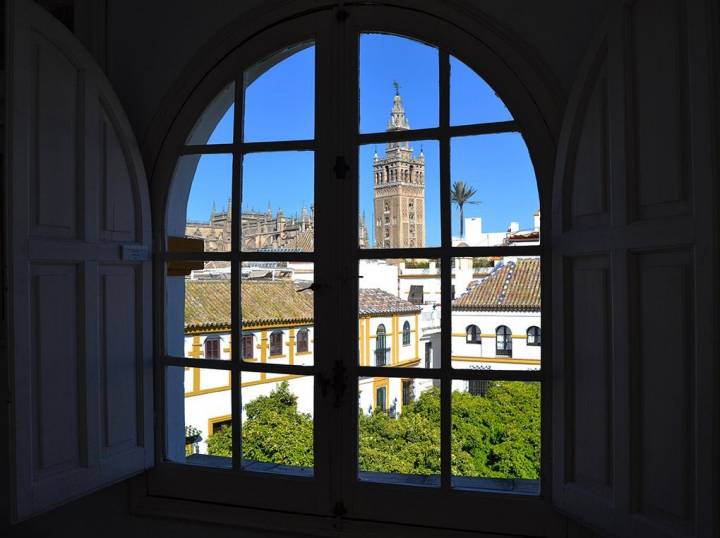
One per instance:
(277,328)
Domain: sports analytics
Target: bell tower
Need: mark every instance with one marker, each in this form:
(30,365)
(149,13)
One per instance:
(399,179)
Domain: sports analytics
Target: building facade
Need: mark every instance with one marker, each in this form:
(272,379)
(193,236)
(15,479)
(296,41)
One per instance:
(496,324)
(399,189)
(277,328)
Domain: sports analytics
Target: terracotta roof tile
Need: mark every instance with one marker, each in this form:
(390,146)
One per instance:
(374,301)
(513,286)
(207,303)
(264,302)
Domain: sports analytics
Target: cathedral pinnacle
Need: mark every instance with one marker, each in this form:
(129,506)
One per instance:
(398,119)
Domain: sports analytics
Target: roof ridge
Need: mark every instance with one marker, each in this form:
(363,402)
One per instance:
(503,292)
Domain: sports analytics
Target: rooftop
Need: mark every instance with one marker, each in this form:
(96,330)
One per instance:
(514,286)
(266,302)
(374,302)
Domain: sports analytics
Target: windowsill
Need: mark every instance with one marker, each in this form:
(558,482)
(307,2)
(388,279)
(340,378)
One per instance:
(399,478)
(273,357)
(222,462)
(206,460)
(516,486)
(301,353)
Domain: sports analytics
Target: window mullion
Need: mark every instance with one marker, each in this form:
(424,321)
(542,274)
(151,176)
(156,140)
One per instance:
(236,303)
(445,276)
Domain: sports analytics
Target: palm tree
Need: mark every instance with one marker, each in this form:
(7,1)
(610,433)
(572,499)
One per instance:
(460,194)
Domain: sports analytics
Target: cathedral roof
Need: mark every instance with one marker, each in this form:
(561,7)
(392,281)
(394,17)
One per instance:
(303,241)
(514,286)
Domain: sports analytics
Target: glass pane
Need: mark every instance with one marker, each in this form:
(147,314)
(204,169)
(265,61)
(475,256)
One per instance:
(277,312)
(215,125)
(200,204)
(494,193)
(398,84)
(199,416)
(496,436)
(399,313)
(399,430)
(496,313)
(277,423)
(472,100)
(277,202)
(280,96)
(400,195)
(198,307)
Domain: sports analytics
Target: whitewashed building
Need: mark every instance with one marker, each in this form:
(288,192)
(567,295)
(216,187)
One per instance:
(496,323)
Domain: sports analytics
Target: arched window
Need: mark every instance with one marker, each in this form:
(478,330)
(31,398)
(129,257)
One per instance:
(380,346)
(503,341)
(247,346)
(302,341)
(472,335)
(212,347)
(276,343)
(533,336)
(459,119)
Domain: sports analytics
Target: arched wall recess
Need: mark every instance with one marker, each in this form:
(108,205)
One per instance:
(634,249)
(533,108)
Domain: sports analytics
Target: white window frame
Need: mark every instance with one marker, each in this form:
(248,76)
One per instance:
(510,74)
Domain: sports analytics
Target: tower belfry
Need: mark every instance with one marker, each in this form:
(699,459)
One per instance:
(399,179)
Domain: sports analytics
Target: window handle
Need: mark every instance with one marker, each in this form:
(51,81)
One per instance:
(314,287)
(341,167)
(336,382)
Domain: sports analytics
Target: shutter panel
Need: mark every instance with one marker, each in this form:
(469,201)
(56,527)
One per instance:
(79,270)
(634,345)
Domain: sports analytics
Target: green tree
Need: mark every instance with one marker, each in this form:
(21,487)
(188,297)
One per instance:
(460,194)
(273,431)
(493,436)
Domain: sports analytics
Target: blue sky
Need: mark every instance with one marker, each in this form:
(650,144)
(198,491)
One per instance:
(280,106)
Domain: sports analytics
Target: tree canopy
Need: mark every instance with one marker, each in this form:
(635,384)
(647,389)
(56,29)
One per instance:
(495,436)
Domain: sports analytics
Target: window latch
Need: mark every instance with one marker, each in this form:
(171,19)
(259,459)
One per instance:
(341,167)
(337,383)
(312,287)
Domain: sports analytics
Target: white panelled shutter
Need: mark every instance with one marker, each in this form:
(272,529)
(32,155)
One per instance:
(80,275)
(634,339)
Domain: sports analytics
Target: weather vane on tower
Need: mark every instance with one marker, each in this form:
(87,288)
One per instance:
(396,85)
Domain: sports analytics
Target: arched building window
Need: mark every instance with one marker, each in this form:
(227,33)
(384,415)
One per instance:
(380,346)
(406,334)
(533,336)
(276,343)
(472,335)
(503,341)
(302,341)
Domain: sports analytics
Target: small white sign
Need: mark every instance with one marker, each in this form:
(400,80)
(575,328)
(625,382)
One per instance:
(134,253)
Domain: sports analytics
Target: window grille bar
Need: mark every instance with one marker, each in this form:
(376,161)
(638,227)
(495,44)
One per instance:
(445,278)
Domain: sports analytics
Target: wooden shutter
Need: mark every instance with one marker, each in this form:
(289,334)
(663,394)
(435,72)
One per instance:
(634,263)
(79,272)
